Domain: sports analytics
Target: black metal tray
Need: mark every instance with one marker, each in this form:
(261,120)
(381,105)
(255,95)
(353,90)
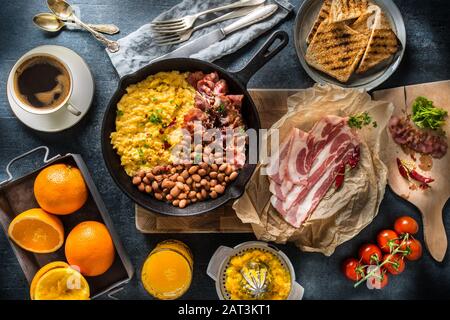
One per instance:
(16,196)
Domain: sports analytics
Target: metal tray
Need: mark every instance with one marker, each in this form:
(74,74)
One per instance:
(371,79)
(16,196)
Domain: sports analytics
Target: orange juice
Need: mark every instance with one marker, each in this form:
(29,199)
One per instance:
(167,271)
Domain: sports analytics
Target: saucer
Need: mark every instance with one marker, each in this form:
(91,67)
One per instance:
(83,92)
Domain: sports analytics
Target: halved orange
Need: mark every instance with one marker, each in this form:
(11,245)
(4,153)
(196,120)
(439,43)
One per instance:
(37,231)
(61,284)
(42,271)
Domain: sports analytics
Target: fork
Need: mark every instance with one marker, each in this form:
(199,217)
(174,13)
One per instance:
(182,24)
(166,39)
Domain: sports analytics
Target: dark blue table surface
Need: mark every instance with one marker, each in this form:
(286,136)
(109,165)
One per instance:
(426,59)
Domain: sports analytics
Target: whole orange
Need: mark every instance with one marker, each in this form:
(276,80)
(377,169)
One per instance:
(60,189)
(89,246)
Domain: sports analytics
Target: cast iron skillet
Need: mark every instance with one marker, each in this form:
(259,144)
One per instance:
(237,82)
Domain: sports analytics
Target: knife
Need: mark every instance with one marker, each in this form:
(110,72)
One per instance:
(212,37)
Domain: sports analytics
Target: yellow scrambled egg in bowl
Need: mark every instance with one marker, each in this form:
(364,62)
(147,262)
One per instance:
(148,120)
(277,278)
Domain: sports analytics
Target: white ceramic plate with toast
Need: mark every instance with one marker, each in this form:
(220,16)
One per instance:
(368,80)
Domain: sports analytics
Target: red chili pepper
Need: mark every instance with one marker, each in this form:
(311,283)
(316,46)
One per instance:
(340,177)
(417,176)
(411,173)
(404,172)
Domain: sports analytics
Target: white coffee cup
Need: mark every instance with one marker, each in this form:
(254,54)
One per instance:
(65,103)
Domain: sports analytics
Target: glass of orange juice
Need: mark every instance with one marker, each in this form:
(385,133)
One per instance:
(167,271)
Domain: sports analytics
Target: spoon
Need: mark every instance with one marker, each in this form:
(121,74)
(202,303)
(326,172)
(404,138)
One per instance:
(64,12)
(49,22)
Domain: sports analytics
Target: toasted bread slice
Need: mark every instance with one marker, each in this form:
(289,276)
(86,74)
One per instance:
(365,23)
(383,43)
(343,10)
(322,16)
(336,50)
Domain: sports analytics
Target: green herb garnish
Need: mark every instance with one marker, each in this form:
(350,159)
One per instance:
(119,113)
(155,118)
(361,120)
(221,108)
(426,115)
(141,153)
(154,99)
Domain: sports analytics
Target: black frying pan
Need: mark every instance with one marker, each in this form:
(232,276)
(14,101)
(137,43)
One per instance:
(237,83)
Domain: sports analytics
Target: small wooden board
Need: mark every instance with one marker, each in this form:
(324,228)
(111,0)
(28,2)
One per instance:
(272,105)
(430,202)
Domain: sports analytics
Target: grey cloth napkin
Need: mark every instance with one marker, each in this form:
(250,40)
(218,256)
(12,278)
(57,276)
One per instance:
(137,49)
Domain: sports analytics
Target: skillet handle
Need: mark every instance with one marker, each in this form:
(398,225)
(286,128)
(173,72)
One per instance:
(264,55)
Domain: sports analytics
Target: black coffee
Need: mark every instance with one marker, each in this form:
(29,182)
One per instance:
(42,82)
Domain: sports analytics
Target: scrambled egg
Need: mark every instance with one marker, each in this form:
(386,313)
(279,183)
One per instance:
(278,279)
(148,120)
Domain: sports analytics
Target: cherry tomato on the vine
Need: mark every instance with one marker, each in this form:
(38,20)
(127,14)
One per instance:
(395,265)
(387,239)
(406,224)
(352,269)
(412,248)
(378,283)
(370,254)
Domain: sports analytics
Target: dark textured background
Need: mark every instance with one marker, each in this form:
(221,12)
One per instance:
(426,59)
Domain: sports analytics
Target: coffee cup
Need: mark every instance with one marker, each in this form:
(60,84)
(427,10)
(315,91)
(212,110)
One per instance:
(42,83)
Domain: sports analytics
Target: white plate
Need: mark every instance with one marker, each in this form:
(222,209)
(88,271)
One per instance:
(304,21)
(83,92)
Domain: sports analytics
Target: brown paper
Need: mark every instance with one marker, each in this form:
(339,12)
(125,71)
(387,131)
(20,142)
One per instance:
(340,215)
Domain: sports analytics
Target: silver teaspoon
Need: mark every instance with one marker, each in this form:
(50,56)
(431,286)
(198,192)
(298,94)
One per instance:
(64,12)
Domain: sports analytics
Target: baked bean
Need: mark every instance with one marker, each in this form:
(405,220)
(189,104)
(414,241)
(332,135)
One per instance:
(203,182)
(207,187)
(189,180)
(179,167)
(148,189)
(223,166)
(199,196)
(176,202)
(198,185)
(169,197)
(174,177)
(213,194)
(167,184)
(196,178)
(180,179)
(202,172)
(214,167)
(224,184)
(219,188)
(203,165)
(159,178)
(185,174)
(173,170)
(180,185)
(155,170)
(145,180)
(227,179)
(158,196)
(155,185)
(150,176)
(204,194)
(186,188)
(192,194)
(220,177)
(141,173)
(228,170)
(182,196)
(175,192)
(193,169)
(213,183)
(182,203)
(233,176)
(194,200)
(136,180)
(213,174)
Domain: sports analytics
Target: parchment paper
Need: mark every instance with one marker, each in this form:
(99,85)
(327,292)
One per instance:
(340,215)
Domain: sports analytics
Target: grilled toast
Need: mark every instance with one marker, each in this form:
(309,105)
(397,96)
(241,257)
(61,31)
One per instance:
(383,43)
(336,50)
(344,10)
(322,16)
(365,23)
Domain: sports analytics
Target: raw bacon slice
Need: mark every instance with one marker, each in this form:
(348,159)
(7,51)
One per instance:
(308,164)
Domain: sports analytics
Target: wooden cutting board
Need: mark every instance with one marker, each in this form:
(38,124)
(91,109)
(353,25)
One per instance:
(430,202)
(272,105)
